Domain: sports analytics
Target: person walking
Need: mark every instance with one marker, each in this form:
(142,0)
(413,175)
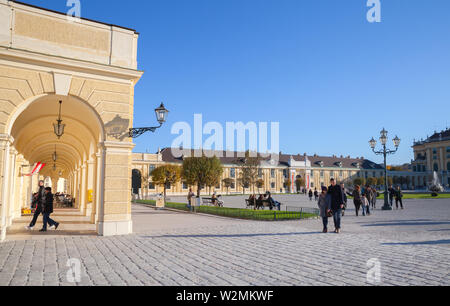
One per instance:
(374,199)
(391,191)
(344,194)
(399,197)
(310,194)
(37,204)
(337,204)
(357,199)
(316,194)
(324,207)
(365,206)
(190,196)
(47,210)
(368,194)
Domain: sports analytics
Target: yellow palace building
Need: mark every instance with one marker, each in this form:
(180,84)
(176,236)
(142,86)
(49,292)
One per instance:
(91,67)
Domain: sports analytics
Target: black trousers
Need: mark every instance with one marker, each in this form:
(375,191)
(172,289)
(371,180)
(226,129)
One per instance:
(35,217)
(399,200)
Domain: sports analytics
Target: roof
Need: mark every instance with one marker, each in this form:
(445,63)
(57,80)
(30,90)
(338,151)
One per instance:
(229,158)
(436,137)
(61,13)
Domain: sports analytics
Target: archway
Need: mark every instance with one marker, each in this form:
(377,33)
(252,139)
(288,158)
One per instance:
(77,150)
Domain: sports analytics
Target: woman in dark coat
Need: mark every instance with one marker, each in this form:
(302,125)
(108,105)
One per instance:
(47,210)
(357,200)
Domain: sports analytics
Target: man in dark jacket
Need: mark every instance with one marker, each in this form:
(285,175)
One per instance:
(37,205)
(337,203)
(391,191)
(47,210)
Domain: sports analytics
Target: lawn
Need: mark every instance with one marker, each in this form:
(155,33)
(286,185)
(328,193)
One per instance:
(248,214)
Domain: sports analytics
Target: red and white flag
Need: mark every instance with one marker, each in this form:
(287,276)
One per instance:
(36,169)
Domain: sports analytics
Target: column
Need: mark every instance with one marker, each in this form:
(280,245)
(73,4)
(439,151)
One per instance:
(5,142)
(90,172)
(83,197)
(98,187)
(12,185)
(115,199)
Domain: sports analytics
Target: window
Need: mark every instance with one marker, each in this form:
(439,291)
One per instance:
(272,173)
(312,174)
(168,186)
(272,185)
(341,173)
(448,149)
(185,186)
(448,166)
(151,186)
(321,174)
(434,151)
(233,185)
(260,173)
(436,167)
(358,174)
(332,174)
(285,173)
(151,168)
(312,185)
(232,172)
(414,169)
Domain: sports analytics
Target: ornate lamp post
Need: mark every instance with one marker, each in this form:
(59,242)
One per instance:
(385,152)
(59,127)
(161,117)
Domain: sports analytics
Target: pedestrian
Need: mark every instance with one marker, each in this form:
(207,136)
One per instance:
(273,203)
(391,191)
(316,194)
(324,204)
(47,210)
(337,204)
(37,204)
(365,206)
(190,196)
(310,194)
(399,197)
(368,194)
(374,199)
(357,199)
(344,194)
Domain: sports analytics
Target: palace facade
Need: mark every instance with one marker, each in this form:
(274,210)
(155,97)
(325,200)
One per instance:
(433,155)
(315,170)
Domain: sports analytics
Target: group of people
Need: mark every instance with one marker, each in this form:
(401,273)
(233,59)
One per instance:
(266,197)
(332,202)
(43,204)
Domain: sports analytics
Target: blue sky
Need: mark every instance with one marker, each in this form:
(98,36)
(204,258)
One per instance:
(332,79)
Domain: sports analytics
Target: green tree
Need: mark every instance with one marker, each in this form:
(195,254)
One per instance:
(166,175)
(202,171)
(372,181)
(227,183)
(300,182)
(249,166)
(287,184)
(259,184)
(359,181)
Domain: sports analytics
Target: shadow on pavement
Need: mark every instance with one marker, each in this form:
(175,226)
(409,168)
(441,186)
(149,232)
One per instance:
(232,235)
(438,242)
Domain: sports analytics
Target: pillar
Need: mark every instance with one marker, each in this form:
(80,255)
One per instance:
(115,178)
(5,142)
(90,173)
(12,185)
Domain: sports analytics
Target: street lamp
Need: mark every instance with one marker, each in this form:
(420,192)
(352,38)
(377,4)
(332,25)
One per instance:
(55,156)
(161,116)
(59,127)
(385,152)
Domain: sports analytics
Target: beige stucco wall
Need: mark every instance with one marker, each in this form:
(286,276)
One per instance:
(21,26)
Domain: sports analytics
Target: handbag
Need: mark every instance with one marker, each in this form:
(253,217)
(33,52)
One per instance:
(330,214)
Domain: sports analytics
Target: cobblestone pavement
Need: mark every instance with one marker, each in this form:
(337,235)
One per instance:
(412,246)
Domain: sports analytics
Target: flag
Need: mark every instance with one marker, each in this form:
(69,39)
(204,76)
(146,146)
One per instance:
(36,169)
